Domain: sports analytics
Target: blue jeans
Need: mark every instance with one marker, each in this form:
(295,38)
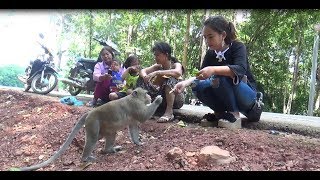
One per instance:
(220,94)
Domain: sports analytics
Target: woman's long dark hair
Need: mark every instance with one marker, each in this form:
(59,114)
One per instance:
(129,60)
(165,48)
(109,49)
(220,24)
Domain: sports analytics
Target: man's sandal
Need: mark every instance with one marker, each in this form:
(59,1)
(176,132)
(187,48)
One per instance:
(165,119)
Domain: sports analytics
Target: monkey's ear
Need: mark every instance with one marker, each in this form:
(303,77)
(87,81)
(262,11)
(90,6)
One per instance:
(134,93)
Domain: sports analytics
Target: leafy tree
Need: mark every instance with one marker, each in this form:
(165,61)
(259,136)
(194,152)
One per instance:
(8,75)
(272,38)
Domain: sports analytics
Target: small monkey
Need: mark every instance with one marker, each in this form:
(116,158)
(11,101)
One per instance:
(106,120)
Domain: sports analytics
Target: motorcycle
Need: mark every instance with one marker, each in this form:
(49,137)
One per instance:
(43,79)
(81,75)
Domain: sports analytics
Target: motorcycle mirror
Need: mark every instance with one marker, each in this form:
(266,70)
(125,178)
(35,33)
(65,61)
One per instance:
(98,40)
(61,52)
(109,43)
(116,52)
(115,48)
(41,35)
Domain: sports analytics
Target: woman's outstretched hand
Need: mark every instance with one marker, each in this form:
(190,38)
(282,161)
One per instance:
(179,87)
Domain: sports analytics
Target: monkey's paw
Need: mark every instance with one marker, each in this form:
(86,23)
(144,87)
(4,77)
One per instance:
(111,150)
(89,159)
(139,143)
(158,99)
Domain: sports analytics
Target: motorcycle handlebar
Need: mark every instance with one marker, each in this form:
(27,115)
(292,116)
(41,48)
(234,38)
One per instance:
(47,51)
(104,43)
(100,42)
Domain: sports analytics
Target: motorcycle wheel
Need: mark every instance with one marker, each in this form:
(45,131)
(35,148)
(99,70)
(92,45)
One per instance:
(50,81)
(74,73)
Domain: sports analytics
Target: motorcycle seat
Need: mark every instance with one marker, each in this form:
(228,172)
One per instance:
(87,63)
(87,60)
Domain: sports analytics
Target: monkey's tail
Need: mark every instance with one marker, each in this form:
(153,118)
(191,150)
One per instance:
(65,145)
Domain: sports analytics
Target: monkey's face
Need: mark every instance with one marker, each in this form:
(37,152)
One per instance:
(142,95)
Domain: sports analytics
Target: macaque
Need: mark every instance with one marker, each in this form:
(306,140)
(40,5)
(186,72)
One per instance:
(106,120)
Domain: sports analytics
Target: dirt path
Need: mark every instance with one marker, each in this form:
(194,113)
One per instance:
(33,127)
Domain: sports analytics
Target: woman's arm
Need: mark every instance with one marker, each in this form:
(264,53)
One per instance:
(150,69)
(144,73)
(180,86)
(176,72)
(125,73)
(97,73)
(208,71)
(239,59)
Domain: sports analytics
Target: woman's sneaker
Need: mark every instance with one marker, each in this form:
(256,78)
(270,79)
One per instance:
(229,121)
(209,120)
(230,125)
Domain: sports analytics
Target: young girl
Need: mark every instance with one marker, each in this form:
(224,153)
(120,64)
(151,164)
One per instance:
(219,83)
(130,76)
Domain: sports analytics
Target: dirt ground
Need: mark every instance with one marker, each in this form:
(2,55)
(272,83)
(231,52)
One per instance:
(33,127)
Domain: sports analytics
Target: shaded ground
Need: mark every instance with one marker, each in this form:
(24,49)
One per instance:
(32,128)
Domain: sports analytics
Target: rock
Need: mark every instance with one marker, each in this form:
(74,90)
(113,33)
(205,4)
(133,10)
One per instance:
(174,153)
(214,155)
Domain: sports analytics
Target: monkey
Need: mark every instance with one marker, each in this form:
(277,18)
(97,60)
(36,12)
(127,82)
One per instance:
(105,121)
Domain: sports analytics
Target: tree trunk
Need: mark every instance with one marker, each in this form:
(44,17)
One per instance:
(165,29)
(284,108)
(186,42)
(317,90)
(203,45)
(295,70)
(60,35)
(316,96)
(60,39)
(293,83)
(129,38)
(90,33)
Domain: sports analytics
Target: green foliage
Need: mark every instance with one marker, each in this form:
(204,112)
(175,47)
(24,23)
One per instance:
(9,74)
(194,72)
(269,35)
(316,113)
